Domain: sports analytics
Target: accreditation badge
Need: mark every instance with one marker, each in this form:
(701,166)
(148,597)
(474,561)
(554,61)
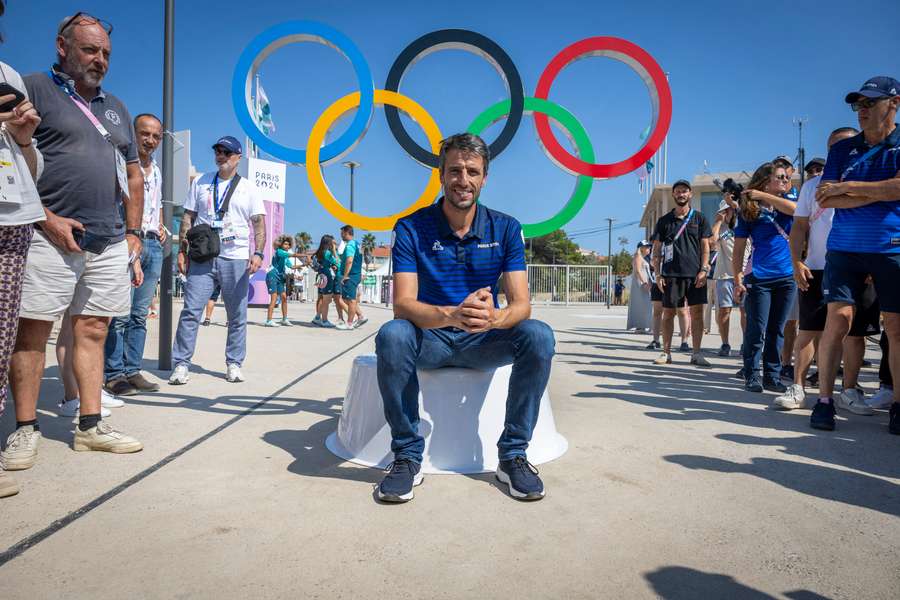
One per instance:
(10,186)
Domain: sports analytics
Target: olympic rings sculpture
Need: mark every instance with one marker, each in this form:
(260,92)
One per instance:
(315,155)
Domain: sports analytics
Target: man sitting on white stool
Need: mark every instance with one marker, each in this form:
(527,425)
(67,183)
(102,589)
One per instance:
(448,258)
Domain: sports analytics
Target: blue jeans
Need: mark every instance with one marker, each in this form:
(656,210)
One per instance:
(768,305)
(234,279)
(124,347)
(402,347)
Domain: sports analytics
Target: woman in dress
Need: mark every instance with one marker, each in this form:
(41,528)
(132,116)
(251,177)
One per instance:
(640,315)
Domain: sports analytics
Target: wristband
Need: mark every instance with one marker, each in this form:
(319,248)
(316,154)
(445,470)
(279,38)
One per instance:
(136,232)
(259,254)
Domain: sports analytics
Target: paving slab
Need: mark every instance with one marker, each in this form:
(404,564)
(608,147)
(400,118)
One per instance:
(677,484)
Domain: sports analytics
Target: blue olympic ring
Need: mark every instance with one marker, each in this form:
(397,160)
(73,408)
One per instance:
(292,32)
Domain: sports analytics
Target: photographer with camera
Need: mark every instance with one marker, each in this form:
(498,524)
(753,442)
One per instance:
(765,218)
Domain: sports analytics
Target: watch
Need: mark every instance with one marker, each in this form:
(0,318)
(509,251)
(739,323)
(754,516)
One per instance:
(259,254)
(705,269)
(136,232)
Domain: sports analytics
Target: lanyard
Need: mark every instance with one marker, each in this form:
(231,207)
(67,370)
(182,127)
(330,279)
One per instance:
(217,202)
(683,225)
(771,219)
(81,106)
(862,159)
(817,214)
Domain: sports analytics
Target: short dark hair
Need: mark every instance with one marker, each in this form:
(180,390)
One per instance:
(842,130)
(148,115)
(347,229)
(464,142)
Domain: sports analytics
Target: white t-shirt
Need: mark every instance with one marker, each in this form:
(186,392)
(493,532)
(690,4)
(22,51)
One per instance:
(819,223)
(152,198)
(245,202)
(25,204)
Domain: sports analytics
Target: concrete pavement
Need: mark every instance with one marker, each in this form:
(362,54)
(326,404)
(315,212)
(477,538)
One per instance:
(677,484)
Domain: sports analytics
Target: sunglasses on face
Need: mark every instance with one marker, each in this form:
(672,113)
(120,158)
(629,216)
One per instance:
(83,17)
(781,177)
(866,103)
(220,150)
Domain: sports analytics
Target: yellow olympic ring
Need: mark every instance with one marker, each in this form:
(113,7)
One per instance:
(314,169)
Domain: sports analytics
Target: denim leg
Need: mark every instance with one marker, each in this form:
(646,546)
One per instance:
(197,289)
(757,306)
(235,281)
(399,347)
(530,347)
(114,348)
(136,327)
(782,299)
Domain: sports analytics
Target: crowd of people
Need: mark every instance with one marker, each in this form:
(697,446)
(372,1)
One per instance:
(812,274)
(82,234)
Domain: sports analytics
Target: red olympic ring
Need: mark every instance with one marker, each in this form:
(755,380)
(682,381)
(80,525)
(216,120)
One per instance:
(652,75)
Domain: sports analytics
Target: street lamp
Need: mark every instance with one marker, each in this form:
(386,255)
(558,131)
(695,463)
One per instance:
(351,164)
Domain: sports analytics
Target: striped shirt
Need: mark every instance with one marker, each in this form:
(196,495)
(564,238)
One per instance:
(875,227)
(450,268)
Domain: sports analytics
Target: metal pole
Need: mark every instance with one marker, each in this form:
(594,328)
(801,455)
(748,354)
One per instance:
(165,286)
(608,258)
(801,154)
(352,171)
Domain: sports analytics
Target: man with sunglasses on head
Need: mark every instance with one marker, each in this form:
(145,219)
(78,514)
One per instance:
(231,206)
(79,257)
(861,181)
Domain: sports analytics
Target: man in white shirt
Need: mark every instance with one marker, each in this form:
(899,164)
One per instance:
(811,227)
(230,205)
(124,348)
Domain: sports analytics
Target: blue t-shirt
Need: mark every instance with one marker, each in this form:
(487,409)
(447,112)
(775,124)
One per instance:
(351,248)
(771,253)
(875,227)
(450,268)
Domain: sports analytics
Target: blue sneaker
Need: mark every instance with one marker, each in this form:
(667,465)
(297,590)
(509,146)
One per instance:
(521,477)
(822,416)
(753,384)
(397,486)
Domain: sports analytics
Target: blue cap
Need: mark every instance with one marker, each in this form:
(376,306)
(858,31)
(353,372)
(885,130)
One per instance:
(877,87)
(229,143)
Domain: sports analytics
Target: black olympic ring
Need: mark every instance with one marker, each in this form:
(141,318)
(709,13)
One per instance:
(463,40)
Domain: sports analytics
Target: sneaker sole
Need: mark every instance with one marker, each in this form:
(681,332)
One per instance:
(400,498)
(177,382)
(20,464)
(866,412)
(121,449)
(502,477)
(783,407)
(9,490)
(133,391)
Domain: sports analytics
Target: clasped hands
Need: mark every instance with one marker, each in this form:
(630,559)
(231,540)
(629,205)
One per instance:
(476,314)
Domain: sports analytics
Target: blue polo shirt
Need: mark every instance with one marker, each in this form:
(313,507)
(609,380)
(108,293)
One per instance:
(875,227)
(450,268)
(771,253)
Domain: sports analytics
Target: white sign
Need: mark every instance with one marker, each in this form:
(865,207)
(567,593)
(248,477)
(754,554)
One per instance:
(269,177)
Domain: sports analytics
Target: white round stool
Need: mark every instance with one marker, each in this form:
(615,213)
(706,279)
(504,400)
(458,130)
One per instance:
(461,415)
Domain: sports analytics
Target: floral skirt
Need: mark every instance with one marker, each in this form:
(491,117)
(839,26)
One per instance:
(14,242)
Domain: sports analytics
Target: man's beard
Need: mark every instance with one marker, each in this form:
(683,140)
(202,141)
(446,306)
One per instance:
(685,203)
(461,204)
(79,72)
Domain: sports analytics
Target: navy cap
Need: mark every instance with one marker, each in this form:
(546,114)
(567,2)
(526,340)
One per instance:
(643,244)
(229,143)
(783,158)
(815,161)
(877,87)
(683,182)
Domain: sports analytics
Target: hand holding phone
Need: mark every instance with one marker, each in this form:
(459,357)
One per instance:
(8,103)
(19,115)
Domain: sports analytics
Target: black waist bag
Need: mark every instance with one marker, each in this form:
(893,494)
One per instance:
(203,241)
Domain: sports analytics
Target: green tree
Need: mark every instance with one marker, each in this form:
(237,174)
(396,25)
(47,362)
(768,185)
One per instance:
(368,242)
(553,248)
(302,241)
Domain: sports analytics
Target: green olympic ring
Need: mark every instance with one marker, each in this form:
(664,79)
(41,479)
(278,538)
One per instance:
(576,134)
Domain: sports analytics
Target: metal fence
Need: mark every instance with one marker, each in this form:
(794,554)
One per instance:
(567,284)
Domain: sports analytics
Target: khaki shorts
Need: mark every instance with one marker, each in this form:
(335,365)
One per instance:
(84,283)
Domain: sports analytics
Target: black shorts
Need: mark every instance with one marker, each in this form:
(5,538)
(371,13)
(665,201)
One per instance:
(846,272)
(680,290)
(814,309)
(655,294)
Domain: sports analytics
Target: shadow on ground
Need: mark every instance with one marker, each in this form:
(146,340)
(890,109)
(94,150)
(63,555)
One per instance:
(683,583)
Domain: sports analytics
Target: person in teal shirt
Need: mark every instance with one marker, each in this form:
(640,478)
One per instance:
(275,279)
(326,265)
(350,276)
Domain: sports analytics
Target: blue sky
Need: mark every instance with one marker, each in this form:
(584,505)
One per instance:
(739,74)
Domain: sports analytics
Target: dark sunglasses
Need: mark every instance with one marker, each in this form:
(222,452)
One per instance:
(782,177)
(221,150)
(89,19)
(867,103)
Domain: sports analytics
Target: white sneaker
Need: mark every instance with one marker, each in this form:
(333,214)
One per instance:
(71,408)
(180,375)
(882,398)
(854,400)
(286,323)
(663,359)
(233,374)
(21,449)
(342,326)
(104,438)
(792,399)
(270,323)
(109,401)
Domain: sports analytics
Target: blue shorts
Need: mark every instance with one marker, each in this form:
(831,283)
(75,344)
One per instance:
(846,272)
(348,288)
(725,294)
(275,282)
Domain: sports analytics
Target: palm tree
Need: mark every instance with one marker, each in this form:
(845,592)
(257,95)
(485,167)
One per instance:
(302,241)
(368,242)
